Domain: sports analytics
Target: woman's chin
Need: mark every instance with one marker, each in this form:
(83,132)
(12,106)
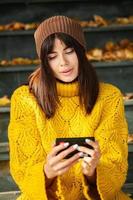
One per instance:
(67,79)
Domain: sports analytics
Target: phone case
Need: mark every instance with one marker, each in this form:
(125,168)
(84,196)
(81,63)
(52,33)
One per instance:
(79,140)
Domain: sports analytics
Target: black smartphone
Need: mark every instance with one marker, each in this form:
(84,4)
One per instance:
(78,140)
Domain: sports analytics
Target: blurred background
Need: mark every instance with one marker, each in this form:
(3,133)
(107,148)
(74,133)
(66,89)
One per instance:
(108,29)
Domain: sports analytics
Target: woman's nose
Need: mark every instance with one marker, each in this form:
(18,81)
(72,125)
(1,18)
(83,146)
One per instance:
(63,60)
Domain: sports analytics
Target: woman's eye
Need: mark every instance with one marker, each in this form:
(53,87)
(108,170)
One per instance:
(69,51)
(50,58)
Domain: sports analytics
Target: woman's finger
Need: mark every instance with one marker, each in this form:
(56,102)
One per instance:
(62,155)
(86,150)
(91,161)
(65,169)
(88,160)
(95,144)
(67,162)
(87,167)
(89,151)
(58,148)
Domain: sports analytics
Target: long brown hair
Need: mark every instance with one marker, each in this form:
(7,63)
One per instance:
(42,82)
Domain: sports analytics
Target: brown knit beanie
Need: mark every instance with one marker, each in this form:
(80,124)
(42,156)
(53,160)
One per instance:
(58,24)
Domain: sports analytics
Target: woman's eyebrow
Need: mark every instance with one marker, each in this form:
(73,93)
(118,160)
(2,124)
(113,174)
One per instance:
(66,48)
(52,52)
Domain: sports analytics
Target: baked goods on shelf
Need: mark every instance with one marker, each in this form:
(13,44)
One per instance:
(96,21)
(111,51)
(14,26)
(124,20)
(122,50)
(128,96)
(4,101)
(19,61)
(99,21)
(130,138)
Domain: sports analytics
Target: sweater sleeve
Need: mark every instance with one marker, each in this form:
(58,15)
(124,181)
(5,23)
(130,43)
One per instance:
(112,134)
(27,156)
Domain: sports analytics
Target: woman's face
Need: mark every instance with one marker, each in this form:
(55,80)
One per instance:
(63,61)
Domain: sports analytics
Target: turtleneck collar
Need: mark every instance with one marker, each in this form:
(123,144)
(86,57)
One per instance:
(67,89)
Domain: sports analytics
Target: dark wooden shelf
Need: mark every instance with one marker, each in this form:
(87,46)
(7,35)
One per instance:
(9,195)
(128,102)
(17,68)
(4,147)
(130,147)
(4,109)
(4,151)
(38,1)
(128,188)
(85,29)
(109,28)
(103,64)
(18,32)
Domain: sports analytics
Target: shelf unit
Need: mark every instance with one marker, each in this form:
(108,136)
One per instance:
(36,10)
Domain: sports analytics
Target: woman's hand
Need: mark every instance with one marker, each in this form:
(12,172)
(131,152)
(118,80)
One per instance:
(89,164)
(56,164)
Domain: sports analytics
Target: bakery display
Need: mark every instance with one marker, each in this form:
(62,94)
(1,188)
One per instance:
(14,26)
(96,21)
(4,101)
(128,96)
(99,21)
(122,50)
(19,61)
(130,138)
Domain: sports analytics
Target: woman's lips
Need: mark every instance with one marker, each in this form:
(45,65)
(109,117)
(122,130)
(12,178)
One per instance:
(66,72)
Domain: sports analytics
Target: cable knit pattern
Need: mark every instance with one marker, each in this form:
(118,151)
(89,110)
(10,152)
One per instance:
(31,136)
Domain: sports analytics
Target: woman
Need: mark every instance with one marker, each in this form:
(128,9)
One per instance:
(65,99)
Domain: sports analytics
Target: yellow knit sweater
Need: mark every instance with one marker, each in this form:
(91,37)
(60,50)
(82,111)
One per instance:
(31,136)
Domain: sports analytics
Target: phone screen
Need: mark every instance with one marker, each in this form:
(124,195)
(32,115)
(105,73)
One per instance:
(79,140)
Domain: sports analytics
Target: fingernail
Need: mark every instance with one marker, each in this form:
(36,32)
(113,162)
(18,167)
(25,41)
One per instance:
(88,159)
(78,148)
(66,144)
(81,154)
(75,146)
(87,140)
(85,155)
